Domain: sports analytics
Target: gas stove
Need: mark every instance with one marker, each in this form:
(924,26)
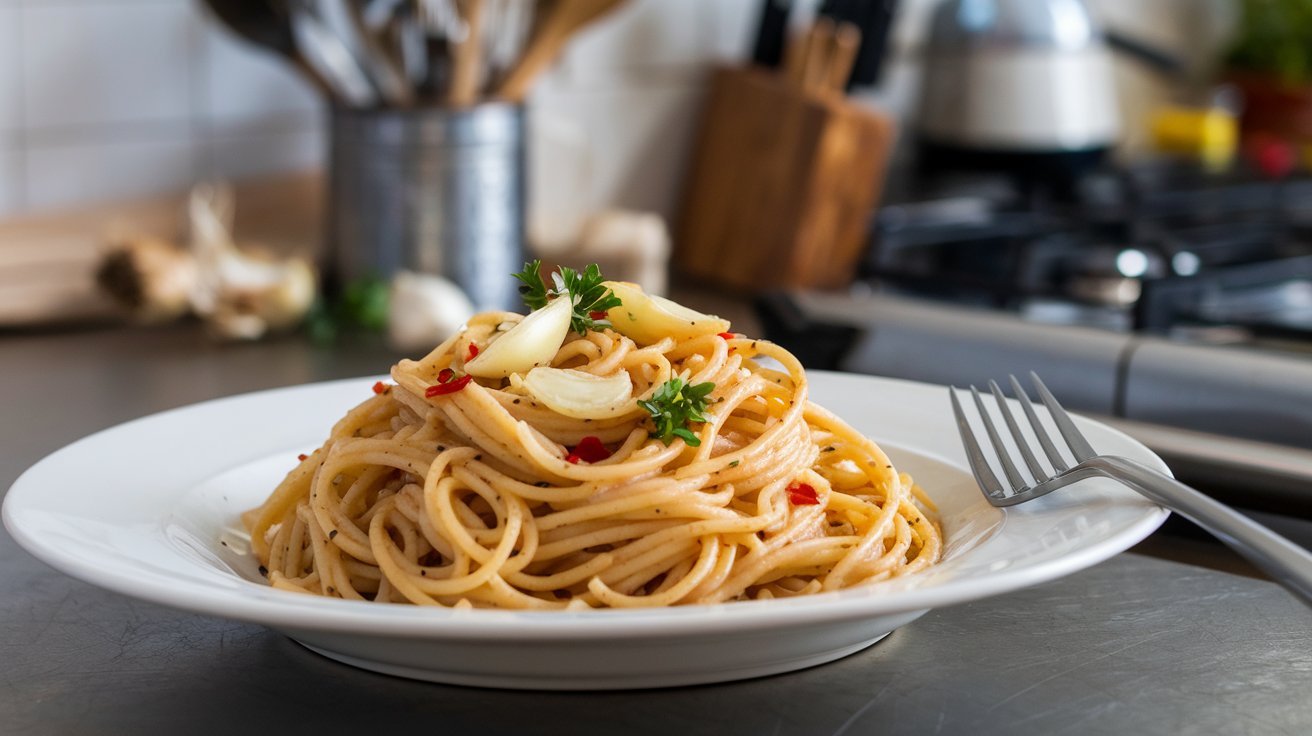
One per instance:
(1156,249)
(1155,296)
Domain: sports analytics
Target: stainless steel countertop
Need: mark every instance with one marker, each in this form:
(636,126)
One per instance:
(1137,644)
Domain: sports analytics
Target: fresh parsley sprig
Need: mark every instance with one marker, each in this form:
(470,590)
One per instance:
(587,291)
(674,406)
(590,294)
(533,291)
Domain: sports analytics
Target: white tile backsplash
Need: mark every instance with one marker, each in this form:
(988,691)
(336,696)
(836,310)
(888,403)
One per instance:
(11,201)
(736,22)
(112,99)
(246,87)
(163,159)
(10,79)
(653,37)
(107,63)
(619,147)
(294,148)
(614,122)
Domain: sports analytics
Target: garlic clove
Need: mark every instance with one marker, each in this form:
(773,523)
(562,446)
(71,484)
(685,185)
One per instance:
(647,318)
(289,297)
(532,342)
(581,395)
(253,296)
(424,311)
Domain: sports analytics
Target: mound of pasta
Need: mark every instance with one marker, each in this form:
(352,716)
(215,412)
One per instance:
(612,449)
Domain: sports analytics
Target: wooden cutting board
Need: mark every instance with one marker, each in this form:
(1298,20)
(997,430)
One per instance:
(48,261)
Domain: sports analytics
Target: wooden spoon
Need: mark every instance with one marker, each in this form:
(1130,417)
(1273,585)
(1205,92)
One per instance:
(562,21)
(467,61)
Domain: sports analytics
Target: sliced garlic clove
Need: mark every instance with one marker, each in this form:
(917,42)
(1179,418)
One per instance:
(647,318)
(532,342)
(581,395)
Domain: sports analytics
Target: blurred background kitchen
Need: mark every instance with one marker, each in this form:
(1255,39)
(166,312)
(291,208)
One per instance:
(1114,193)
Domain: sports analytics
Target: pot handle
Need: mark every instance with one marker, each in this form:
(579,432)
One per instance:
(1161,61)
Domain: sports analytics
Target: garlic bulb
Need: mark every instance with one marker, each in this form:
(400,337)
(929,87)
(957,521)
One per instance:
(647,318)
(532,342)
(152,278)
(581,395)
(424,310)
(241,295)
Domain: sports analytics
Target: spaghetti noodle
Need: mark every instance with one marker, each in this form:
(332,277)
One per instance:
(484,496)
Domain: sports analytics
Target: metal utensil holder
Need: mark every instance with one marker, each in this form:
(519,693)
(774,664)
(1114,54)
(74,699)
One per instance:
(434,190)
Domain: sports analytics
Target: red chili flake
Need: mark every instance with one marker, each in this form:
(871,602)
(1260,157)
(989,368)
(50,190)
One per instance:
(597,315)
(302,457)
(445,375)
(473,352)
(727,335)
(380,388)
(449,387)
(801,494)
(590,450)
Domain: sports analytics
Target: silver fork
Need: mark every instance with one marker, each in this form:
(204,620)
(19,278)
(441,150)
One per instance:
(1286,562)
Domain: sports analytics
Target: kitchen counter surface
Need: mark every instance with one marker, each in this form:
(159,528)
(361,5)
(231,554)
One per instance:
(1135,645)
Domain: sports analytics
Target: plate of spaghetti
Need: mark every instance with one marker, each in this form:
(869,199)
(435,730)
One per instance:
(613,491)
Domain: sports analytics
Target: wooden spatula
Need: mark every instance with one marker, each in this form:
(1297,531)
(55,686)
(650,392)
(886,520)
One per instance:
(564,18)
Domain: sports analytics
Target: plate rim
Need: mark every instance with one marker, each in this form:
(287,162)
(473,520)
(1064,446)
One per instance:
(287,610)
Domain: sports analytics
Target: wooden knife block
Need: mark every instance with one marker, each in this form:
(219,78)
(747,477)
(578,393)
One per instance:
(782,185)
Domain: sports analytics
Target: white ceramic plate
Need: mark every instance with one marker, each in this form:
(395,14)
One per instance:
(149,509)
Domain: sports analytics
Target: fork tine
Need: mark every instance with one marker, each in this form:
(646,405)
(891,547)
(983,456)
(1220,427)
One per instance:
(1021,443)
(1079,446)
(1008,467)
(979,465)
(1045,440)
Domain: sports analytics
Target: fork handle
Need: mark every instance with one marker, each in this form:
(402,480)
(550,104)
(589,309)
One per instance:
(1287,563)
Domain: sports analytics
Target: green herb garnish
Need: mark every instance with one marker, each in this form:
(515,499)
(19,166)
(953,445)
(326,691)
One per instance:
(674,405)
(587,291)
(533,291)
